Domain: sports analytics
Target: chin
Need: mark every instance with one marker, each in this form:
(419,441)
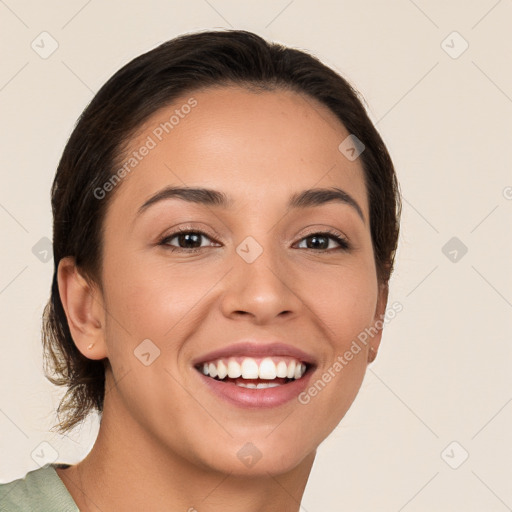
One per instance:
(258,458)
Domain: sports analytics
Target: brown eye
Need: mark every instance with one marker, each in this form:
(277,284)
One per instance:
(323,242)
(187,240)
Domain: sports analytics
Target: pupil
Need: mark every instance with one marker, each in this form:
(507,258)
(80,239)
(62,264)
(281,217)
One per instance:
(190,240)
(318,242)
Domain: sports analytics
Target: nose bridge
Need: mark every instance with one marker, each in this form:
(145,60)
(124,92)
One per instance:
(259,284)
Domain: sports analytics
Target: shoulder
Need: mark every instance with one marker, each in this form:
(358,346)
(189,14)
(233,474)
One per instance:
(39,490)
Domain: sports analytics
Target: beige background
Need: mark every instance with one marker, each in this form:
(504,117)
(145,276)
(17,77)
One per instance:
(444,370)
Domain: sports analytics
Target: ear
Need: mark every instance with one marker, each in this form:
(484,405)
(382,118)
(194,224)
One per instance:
(378,320)
(85,312)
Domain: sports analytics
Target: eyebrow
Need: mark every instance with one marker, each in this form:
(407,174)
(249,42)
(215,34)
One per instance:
(210,197)
(320,196)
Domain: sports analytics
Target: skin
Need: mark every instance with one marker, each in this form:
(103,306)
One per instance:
(165,441)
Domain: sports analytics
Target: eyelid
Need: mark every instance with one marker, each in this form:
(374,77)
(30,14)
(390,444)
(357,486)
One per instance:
(188,228)
(322,230)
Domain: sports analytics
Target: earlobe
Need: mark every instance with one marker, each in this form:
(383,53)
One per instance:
(382,301)
(378,320)
(83,305)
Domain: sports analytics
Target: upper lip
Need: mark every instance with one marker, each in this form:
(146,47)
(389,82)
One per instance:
(257,349)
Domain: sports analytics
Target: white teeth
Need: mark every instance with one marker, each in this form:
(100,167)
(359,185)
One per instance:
(222,371)
(250,385)
(249,369)
(234,370)
(291,370)
(282,369)
(212,370)
(268,369)
(260,385)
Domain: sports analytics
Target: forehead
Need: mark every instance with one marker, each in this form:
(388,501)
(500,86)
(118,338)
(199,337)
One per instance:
(251,145)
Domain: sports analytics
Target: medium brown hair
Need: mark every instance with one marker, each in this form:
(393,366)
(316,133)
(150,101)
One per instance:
(95,149)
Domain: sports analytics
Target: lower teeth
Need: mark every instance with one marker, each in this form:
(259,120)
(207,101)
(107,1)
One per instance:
(261,385)
(255,385)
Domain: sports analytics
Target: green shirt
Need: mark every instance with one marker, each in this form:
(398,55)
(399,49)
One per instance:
(41,490)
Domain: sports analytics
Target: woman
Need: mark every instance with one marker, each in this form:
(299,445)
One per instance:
(225,223)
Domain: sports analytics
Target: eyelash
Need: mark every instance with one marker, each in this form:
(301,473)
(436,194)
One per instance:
(344,245)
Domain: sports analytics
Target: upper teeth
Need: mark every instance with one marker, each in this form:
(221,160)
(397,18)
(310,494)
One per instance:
(249,368)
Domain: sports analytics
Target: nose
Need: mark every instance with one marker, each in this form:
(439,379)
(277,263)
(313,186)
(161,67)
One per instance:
(261,291)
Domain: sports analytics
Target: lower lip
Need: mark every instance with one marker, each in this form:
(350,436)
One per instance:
(257,398)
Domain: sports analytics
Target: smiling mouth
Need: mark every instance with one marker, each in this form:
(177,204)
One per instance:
(255,373)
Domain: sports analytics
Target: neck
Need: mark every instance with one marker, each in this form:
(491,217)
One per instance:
(127,469)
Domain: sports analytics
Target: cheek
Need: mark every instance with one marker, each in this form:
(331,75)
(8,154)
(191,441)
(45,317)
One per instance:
(156,300)
(344,299)
(150,296)
(345,311)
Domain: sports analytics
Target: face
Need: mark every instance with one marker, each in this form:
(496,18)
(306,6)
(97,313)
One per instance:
(256,268)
